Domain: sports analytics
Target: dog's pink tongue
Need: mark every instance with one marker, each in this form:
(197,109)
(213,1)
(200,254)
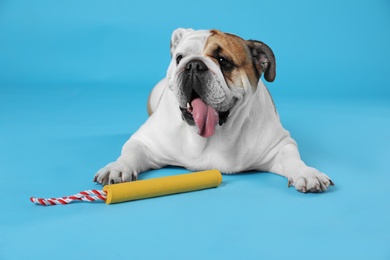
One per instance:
(205,117)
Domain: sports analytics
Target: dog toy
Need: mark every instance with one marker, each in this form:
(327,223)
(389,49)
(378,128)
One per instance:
(142,189)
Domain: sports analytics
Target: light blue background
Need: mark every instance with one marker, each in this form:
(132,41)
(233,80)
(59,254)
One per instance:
(74,80)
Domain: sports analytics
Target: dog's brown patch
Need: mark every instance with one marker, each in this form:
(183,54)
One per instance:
(234,49)
(150,112)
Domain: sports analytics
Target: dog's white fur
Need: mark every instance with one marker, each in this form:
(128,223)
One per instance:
(251,139)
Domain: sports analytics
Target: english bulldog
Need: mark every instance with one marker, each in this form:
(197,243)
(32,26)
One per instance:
(212,111)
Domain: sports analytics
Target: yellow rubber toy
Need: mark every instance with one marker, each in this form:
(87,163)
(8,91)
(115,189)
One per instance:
(162,186)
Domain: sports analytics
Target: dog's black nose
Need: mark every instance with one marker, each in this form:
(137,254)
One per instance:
(196,66)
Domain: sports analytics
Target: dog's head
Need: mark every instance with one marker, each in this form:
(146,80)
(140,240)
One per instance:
(212,71)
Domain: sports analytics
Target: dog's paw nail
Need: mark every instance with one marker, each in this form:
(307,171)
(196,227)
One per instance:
(331,182)
(315,189)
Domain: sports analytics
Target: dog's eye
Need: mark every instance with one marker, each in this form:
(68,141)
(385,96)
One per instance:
(178,59)
(225,64)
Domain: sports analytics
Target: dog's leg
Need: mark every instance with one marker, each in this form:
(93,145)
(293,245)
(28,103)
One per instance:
(135,158)
(288,163)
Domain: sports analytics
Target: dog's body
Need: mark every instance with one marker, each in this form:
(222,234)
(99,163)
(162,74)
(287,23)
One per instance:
(213,111)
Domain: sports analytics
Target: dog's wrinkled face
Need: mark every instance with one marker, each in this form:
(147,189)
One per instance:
(211,72)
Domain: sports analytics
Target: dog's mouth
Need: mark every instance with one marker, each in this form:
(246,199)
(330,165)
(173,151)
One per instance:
(204,116)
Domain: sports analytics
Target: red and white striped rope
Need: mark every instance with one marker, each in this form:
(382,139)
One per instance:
(87,195)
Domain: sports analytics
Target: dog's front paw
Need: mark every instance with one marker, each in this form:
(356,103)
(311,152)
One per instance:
(115,172)
(310,180)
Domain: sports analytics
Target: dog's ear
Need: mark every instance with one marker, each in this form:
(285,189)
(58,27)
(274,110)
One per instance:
(177,35)
(263,59)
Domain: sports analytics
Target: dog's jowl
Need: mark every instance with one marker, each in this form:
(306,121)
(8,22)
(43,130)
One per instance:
(212,111)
